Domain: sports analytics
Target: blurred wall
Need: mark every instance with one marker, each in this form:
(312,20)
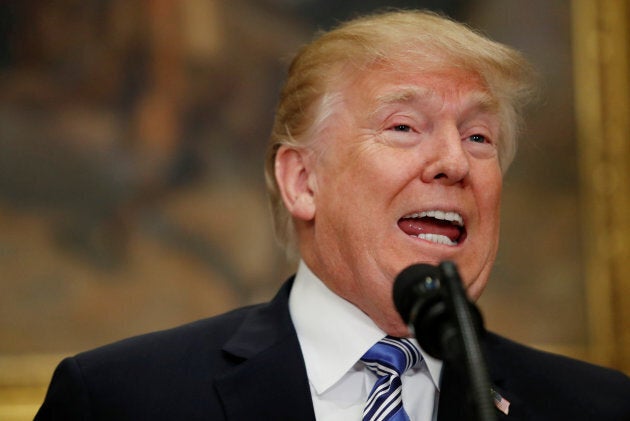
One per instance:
(131,191)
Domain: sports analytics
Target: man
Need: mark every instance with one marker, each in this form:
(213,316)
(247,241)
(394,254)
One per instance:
(390,141)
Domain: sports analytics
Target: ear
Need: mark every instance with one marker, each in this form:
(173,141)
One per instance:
(296,181)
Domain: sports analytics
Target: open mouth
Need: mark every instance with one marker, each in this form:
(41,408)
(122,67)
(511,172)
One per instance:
(436,226)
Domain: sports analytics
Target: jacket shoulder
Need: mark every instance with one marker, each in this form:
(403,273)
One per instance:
(167,374)
(551,383)
(206,334)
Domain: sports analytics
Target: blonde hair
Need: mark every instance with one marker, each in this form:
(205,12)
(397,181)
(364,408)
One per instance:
(426,39)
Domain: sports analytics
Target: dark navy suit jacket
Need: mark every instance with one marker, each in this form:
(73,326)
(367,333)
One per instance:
(247,365)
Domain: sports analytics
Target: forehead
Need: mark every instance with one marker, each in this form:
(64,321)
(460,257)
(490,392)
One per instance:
(378,88)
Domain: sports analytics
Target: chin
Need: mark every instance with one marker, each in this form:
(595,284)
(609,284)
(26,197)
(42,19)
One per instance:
(474,291)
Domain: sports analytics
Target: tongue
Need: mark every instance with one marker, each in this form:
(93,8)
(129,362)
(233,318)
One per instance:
(415,226)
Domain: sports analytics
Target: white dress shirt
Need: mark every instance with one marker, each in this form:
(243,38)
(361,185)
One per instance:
(333,335)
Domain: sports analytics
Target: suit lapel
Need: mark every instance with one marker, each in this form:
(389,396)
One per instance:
(269,380)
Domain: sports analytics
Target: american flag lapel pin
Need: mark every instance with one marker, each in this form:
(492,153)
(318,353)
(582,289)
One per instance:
(500,402)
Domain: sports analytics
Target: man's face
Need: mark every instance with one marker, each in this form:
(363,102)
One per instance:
(406,172)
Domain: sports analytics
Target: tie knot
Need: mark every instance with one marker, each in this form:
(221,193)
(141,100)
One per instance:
(391,354)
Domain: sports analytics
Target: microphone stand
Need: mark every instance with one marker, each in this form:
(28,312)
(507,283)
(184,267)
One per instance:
(467,328)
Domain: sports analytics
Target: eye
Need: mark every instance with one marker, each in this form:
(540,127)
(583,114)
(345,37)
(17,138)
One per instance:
(478,138)
(401,128)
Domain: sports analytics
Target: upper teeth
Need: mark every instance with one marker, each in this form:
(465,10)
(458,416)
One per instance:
(453,217)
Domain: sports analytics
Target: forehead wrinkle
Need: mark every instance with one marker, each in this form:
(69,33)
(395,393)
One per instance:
(402,95)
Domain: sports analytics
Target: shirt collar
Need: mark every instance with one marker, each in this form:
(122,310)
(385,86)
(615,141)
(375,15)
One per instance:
(330,347)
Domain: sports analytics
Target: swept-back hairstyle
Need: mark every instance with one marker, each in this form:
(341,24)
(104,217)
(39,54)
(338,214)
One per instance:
(427,40)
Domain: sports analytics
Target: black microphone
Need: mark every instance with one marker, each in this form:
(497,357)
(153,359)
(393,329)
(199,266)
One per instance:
(426,299)
(432,302)
(419,298)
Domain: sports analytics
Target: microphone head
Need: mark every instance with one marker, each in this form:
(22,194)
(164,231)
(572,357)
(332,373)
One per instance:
(414,286)
(419,298)
(424,296)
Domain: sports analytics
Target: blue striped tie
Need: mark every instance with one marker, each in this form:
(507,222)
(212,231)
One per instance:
(388,359)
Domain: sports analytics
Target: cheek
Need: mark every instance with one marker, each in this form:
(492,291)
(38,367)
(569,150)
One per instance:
(488,198)
(489,192)
(386,171)
(489,202)
(368,173)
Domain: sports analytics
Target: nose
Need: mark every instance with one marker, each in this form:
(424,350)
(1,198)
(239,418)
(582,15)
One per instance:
(446,161)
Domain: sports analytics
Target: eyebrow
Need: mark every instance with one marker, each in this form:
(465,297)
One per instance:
(483,101)
(401,96)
